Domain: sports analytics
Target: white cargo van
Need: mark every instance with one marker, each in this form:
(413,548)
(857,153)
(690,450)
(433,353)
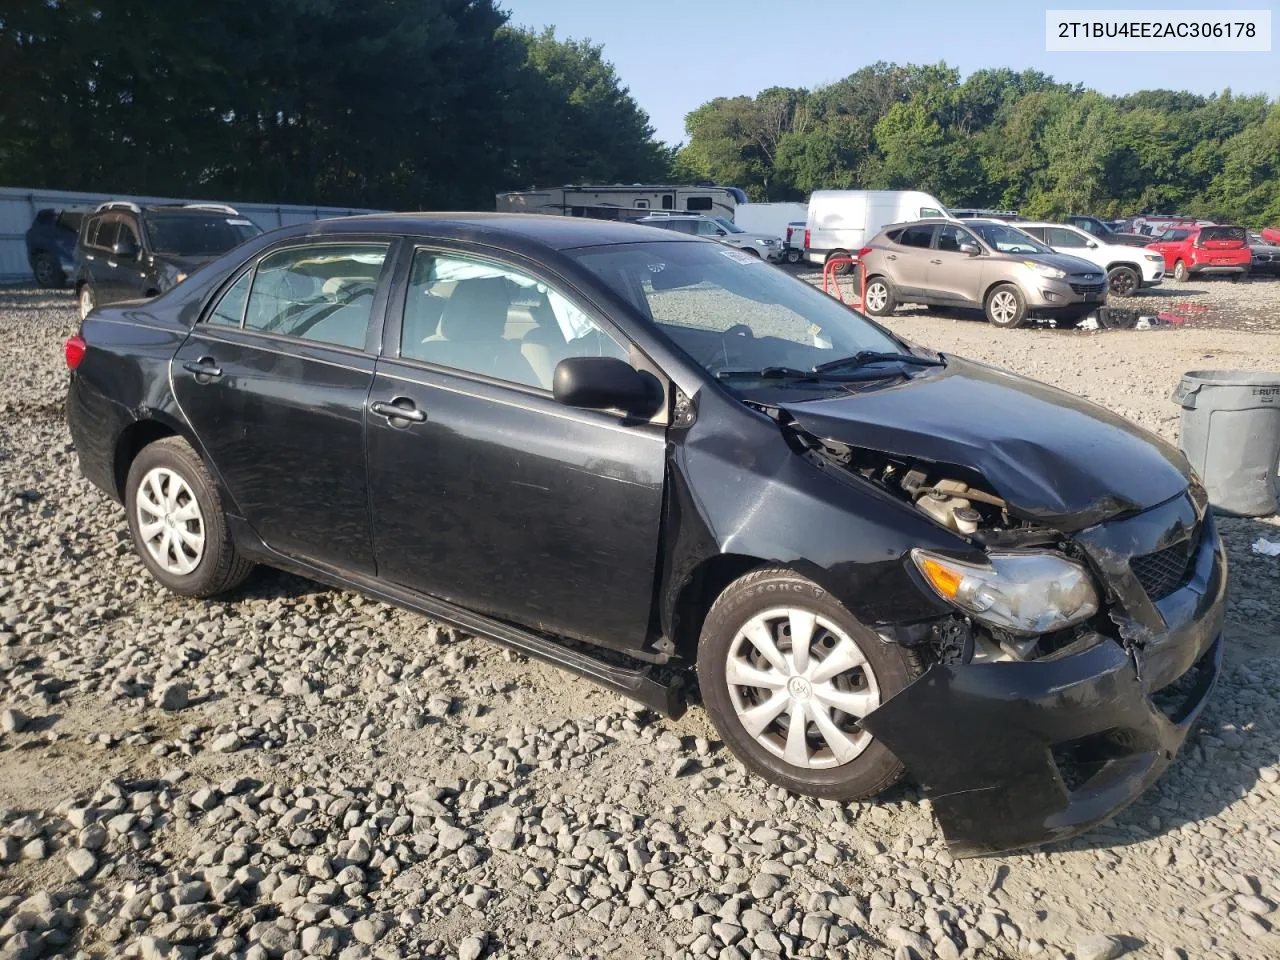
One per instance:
(842,221)
(771,218)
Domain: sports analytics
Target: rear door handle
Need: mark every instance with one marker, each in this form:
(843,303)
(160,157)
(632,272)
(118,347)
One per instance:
(935,261)
(891,256)
(205,369)
(401,408)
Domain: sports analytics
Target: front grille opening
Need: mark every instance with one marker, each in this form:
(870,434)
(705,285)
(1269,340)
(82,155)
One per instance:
(1179,699)
(1083,288)
(1080,760)
(1163,572)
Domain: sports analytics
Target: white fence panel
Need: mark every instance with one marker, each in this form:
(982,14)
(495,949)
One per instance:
(18,208)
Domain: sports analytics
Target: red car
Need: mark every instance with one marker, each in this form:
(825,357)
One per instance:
(1200,251)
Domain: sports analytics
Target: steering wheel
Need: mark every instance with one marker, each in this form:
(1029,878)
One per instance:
(726,354)
(740,330)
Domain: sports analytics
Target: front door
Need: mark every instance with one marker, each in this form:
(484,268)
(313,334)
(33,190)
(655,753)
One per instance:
(488,493)
(953,274)
(274,381)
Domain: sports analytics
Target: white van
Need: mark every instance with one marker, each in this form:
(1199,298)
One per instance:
(771,218)
(842,221)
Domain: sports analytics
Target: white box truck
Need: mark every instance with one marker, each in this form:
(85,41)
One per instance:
(839,222)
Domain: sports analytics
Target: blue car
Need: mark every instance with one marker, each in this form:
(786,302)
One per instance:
(51,244)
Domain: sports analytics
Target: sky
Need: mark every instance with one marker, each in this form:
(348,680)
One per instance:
(678,54)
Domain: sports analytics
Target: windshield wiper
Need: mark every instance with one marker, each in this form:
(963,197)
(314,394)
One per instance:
(770,373)
(864,358)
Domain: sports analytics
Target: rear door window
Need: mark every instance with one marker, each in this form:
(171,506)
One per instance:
(322,292)
(917,236)
(1057,237)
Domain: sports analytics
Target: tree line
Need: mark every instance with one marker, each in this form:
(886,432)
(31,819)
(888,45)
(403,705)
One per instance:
(999,139)
(437,104)
(407,104)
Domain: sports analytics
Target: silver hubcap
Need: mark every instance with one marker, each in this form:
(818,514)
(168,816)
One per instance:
(877,297)
(799,685)
(1004,306)
(169,521)
(86,302)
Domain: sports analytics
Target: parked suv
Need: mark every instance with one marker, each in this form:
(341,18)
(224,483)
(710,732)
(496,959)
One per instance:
(1105,232)
(724,231)
(1205,250)
(51,244)
(127,251)
(1128,268)
(985,264)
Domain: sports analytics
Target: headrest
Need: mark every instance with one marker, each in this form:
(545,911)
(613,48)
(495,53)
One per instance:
(476,310)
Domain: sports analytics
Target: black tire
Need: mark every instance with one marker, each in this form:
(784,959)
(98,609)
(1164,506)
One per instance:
(879,304)
(873,770)
(1180,272)
(48,272)
(86,300)
(1240,278)
(995,307)
(794,255)
(1123,281)
(840,269)
(754,253)
(220,567)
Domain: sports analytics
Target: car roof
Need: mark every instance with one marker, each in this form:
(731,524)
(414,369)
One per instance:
(558,233)
(1045,223)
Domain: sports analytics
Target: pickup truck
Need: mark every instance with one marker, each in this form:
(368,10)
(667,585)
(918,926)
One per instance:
(1205,250)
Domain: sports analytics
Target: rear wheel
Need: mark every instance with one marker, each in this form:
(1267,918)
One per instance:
(1123,281)
(1006,307)
(879,299)
(178,525)
(787,675)
(1240,278)
(794,255)
(1180,272)
(842,268)
(87,301)
(47,271)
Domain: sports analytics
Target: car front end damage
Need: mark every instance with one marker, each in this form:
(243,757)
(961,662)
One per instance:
(1079,654)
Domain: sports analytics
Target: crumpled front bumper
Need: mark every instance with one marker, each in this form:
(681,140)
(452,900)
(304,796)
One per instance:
(1018,754)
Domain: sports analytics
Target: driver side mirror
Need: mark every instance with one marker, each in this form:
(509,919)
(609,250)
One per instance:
(1091,244)
(970,249)
(722,233)
(125,249)
(606,383)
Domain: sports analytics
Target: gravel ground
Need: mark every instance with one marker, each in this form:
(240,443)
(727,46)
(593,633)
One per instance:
(297,771)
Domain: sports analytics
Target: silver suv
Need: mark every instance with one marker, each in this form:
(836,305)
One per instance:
(985,264)
(721,230)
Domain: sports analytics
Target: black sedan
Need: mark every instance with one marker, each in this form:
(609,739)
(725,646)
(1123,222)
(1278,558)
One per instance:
(648,459)
(1266,256)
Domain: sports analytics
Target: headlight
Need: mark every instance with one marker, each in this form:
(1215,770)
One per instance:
(1154,257)
(1053,273)
(767,243)
(1024,593)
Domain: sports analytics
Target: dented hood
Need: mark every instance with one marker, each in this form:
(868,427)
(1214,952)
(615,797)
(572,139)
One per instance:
(1054,457)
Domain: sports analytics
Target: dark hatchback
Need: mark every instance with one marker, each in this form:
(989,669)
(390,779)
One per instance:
(648,458)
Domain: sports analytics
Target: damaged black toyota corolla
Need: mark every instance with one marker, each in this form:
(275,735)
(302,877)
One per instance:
(633,455)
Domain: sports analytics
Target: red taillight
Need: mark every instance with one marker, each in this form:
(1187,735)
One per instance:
(790,231)
(863,252)
(806,238)
(74,351)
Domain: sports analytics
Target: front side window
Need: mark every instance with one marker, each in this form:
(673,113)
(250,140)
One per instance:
(194,234)
(930,212)
(495,321)
(1057,237)
(323,292)
(708,228)
(950,237)
(105,236)
(728,225)
(1008,239)
(729,311)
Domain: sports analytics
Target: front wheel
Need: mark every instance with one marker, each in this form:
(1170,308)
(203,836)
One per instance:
(1180,272)
(1123,281)
(1006,307)
(787,676)
(177,522)
(878,298)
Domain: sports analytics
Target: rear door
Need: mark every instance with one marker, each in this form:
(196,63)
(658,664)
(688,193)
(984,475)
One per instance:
(99,260)
(488,493)
(1072,243)
(274,379)
(909,264)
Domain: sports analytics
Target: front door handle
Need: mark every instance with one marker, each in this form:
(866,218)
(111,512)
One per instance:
(935,261)
(891,256)
(205,369)
(401,408)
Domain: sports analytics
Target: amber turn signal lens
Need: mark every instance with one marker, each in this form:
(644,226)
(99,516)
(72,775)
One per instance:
(944,580)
